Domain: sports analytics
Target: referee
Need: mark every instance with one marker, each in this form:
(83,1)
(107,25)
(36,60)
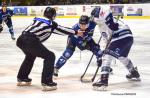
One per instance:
(30,42)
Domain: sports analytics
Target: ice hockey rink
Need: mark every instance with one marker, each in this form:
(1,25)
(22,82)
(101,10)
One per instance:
(69,85)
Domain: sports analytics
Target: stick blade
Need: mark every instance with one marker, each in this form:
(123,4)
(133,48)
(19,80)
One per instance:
(86,80)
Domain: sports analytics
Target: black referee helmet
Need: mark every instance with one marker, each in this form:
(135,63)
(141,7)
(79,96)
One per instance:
(50,13)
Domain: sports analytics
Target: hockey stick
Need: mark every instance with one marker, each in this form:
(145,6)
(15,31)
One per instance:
(108,43)
(93,78)
(82,76)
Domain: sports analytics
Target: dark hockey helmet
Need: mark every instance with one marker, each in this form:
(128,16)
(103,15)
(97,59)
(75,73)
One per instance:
(50,13)
(4,4)
(84,19)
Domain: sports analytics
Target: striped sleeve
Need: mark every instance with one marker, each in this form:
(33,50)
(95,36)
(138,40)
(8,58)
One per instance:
(61,30)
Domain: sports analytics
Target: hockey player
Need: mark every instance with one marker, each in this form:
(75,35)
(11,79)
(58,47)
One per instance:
(120,41)
(5,16)
(85,42)
(30,42)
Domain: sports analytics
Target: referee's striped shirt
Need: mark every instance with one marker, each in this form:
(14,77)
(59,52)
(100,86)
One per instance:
(43,28)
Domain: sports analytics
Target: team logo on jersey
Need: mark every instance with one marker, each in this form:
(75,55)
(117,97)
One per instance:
(62,60)
(117,51)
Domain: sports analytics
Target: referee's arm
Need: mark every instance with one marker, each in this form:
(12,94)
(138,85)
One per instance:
(61,30)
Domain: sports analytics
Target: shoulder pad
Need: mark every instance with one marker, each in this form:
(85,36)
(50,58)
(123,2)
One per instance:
(76,26)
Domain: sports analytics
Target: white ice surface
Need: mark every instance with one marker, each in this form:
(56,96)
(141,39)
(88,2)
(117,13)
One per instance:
(69,85)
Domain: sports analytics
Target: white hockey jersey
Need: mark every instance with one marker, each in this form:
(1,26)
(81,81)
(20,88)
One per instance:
(107,23)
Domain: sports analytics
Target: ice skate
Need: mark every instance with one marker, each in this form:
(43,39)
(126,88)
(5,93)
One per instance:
(56,70)
(13,37)
(24,82)
(102,83)
(49,86)
(133,75)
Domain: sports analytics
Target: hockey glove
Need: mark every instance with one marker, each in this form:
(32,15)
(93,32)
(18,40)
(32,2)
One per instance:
(81,43)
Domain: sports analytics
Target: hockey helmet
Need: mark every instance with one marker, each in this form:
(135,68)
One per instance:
(84,19)
(50,13)
(4,4)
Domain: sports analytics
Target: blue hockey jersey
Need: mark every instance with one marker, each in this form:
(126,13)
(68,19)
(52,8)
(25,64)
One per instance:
(5,15)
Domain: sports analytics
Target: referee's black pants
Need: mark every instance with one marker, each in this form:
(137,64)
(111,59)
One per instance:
(33,48)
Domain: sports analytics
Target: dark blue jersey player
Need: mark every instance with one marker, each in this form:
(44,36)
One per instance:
(84,42)
(5,16)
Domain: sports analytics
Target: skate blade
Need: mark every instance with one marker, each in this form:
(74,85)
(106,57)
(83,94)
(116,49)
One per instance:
(102,88)
(13,38)
(135,79)
(55,75)
(45,88)
(23,83)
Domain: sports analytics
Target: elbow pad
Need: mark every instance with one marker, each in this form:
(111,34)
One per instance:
(113,26)
(110,23)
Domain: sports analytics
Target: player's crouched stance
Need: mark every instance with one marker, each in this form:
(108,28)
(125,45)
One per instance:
(85,42)
(5,16)
(119,47)
(30,42)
